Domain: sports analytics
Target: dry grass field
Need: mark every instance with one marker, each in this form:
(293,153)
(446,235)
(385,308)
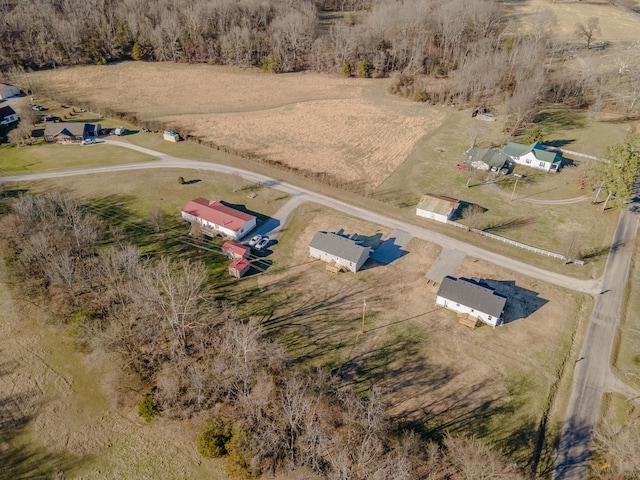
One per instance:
(353,129)
(616,24)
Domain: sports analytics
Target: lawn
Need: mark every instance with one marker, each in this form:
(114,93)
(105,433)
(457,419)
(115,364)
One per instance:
(627,358)
(50,157)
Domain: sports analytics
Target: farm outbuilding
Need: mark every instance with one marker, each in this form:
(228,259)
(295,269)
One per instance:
(472,298)
(235,250)
(333,248)
(170,136)
(437,207)
(7,91)
(216,218)
(239,267)
(488,159)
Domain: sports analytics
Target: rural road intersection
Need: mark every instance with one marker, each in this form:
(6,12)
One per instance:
(590,379)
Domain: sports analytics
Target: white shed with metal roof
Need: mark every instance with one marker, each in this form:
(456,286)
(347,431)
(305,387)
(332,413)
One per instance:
(473,298)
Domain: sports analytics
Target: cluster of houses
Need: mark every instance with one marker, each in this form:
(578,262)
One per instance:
(473,300)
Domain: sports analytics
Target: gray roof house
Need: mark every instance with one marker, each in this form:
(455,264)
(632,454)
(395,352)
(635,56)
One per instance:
(70,131)
(331,247)
(534,155)
(472,298)
(488,159)
(8,115)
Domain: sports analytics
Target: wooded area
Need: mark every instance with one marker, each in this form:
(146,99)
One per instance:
(477,45)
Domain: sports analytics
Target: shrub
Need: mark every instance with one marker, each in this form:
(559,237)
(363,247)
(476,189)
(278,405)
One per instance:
(363,69)
(213,438)
(271,63)
(148,408)
(137,52)
(239,460)
(536,134)
(180,180)
(346,68)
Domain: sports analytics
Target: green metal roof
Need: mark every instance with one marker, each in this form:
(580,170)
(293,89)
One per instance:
(493,158)
(518,150)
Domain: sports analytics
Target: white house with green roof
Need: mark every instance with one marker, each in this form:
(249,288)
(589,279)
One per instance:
(534,156)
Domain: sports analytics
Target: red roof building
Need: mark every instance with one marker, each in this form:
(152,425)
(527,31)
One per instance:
(235,250)
(218,218)
(238,268)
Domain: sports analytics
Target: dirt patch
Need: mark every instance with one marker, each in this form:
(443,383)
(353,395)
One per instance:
(350,128)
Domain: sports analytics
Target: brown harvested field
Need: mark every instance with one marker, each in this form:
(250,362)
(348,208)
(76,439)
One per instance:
(616,24)
(435,372)
(353,129)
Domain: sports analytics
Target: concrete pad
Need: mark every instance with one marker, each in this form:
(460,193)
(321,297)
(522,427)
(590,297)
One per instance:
(392,248)
(445,264)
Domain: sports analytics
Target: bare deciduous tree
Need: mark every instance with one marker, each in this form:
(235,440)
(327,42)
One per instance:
(588,30)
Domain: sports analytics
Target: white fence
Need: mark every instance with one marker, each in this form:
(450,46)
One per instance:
(571,152)
(515,244)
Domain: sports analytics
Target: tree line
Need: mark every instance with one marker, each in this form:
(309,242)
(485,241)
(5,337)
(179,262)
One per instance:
(160,324)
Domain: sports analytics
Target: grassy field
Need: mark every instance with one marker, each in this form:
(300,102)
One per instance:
(627,359)
(46,158)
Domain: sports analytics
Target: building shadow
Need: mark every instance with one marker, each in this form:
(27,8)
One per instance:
(521,302)
(388,251)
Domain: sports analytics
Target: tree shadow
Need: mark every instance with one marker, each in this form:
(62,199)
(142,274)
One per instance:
(507,223)
(22,459)
(560,119)
(595,252)
(559,143)
(573,449)
(191,182)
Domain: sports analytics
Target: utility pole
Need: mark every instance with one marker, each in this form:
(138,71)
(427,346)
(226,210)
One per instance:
(364,306)
(518,177)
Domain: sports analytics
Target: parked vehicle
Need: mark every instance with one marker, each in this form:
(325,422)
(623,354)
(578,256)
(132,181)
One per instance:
(462,166)
(120,131)
(262,244)
(88,141)
(255,239)
(37,108)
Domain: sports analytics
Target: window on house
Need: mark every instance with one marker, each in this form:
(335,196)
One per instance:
(489,317)
(542,164)
(457,304)
(528,160)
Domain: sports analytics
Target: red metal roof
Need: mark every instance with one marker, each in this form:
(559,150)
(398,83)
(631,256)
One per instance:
(235,248)
(217,213)
(239,264)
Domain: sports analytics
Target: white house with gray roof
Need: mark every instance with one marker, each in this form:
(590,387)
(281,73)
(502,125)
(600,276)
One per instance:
(331,247)
(471,298)
(534,156)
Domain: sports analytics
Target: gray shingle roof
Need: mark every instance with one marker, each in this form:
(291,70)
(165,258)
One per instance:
(473,295)
(337,245)
(6,111)
(72,129)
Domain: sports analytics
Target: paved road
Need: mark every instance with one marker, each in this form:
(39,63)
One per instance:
(167,161)
(593,368)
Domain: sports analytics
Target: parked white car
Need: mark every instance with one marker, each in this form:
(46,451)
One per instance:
(255,239)
(262,244)
(88,141)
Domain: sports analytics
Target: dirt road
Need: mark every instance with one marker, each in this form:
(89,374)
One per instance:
(167,161)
